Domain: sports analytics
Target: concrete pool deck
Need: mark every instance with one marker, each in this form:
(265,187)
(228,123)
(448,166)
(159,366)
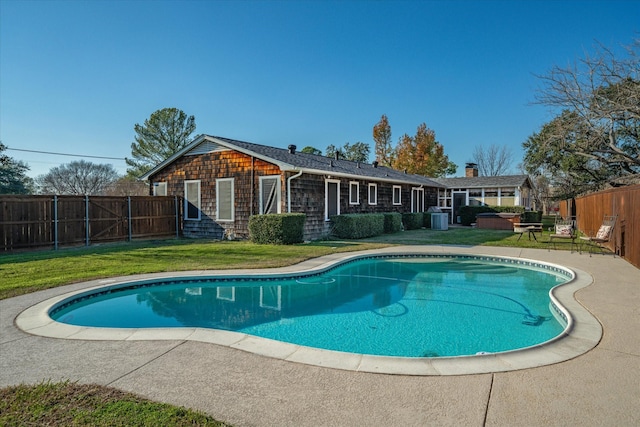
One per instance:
(599,387)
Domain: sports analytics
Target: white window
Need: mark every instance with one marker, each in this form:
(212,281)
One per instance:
(270,194)
(192,200)
(331,198)
(397,195)
(373,194)
(159,188)
(354,193)
(271,297)
(417,199)
(227,293)
(225,209)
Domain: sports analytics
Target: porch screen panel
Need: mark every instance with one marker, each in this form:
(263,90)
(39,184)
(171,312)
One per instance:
(224,200)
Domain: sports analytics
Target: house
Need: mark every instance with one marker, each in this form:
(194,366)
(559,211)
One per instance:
(474,190)
(225,181)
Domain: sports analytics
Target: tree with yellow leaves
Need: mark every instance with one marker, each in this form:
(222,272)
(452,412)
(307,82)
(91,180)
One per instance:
(422,154)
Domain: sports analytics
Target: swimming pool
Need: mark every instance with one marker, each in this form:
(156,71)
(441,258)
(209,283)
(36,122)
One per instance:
(407,305)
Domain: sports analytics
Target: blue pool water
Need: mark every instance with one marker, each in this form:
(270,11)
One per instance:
(403,306)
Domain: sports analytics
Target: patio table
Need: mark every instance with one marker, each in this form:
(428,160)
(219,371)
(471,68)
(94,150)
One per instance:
(531,228)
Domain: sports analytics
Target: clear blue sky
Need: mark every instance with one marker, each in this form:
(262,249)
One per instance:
(75,76)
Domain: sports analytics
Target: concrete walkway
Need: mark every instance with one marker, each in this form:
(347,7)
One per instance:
(599,387)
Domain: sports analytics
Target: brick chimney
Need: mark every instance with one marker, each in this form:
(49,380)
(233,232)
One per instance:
(471,170)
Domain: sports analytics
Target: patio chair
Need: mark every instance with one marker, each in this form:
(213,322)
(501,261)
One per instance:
(602,236)
(563,230)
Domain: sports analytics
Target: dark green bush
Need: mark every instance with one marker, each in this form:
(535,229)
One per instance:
(427,220)
(277,229)
(357,226)
(531,216)
(413,221)
(468,213)
(548,221)
(392,222)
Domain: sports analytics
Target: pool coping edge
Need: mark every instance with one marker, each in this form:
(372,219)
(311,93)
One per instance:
(582,333)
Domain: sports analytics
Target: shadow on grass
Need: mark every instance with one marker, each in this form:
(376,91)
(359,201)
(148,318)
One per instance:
(465,236)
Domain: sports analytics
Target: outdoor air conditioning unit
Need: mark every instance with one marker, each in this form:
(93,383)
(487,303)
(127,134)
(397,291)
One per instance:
(439,221)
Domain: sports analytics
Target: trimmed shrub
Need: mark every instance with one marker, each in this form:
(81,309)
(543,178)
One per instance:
(548,221)
(357,226)
(427,220)
(413,221)
(468,213)
(392,222)
(277,229)
(531,216)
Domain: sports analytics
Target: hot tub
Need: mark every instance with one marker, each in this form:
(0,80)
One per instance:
(497,220)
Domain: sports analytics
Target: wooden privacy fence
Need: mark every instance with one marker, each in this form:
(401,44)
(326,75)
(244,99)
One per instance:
(623,202)
(51,221)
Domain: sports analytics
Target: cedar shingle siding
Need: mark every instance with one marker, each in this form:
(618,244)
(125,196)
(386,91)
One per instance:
(210,158)
(207,168)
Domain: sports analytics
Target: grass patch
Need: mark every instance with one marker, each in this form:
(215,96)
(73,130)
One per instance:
(66,404)
(463,236)
(33,271)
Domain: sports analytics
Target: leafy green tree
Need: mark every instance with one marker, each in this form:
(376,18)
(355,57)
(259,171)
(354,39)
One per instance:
(311,150)
(78,178)
(164,133)
(13,175)
(548,154)
(382,140)
(358,152)
(422,154)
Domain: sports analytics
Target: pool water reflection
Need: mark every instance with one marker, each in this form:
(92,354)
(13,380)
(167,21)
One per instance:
(401,306)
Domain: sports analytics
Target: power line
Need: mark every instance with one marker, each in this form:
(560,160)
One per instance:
(65,154)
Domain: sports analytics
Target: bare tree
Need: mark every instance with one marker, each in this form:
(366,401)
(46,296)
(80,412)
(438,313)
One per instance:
(492,161)
(77,178)
(127,186)
(600,100)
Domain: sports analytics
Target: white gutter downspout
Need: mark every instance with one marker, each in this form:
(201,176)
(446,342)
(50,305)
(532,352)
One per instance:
(291,178)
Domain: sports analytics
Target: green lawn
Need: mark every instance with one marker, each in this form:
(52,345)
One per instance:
(32,271)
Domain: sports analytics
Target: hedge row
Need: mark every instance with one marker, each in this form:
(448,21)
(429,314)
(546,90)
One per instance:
(277,229)
(392,222)
(358,226)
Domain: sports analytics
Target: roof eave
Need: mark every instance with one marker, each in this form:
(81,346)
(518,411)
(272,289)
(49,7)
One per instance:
(370,178)
(283,166)
(173,158)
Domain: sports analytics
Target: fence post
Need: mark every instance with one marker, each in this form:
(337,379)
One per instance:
(86,220)
(129,216)
(175,198)
(55,222)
